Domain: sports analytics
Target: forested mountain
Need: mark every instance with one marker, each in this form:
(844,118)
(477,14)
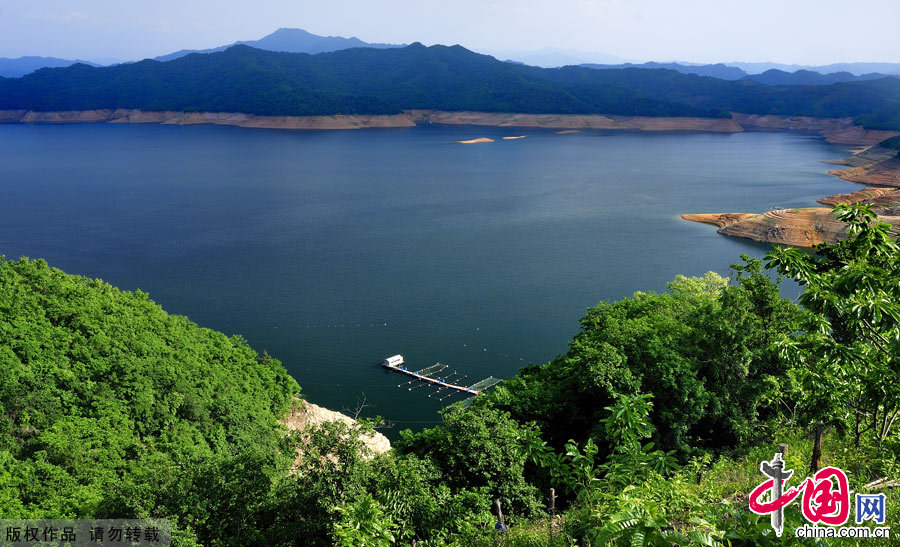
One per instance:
(291,40)
(887,118)
(354,81)
(837,100)
(383,81)
(717,70)
(857,69)
(772,76)
(810,77)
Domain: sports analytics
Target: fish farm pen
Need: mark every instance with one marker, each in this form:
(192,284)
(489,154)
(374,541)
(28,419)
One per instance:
(436,376)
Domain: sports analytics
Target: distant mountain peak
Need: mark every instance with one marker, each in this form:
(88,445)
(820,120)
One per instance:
(293,29)
(15,68)
(290,40)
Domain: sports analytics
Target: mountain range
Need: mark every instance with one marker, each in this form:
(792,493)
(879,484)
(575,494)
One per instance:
(856,69)
(718,70)
(772,76)
(291,40)
(389,80)
(349,81)
(300,41)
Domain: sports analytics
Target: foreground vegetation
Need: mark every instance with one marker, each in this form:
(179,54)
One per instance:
(649,430)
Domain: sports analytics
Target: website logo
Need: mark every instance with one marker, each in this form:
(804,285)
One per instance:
(825,500)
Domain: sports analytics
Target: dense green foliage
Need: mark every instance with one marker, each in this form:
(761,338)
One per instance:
(837,100)
(887,118)
(109,407)
(386,81)
(703,350)
(481,448)
(100,384)
(848,352)
(892,143)
(650,429)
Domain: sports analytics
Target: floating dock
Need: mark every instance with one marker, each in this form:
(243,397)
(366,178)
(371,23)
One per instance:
(435,376)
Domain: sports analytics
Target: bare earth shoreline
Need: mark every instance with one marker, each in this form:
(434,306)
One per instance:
(836,130)
(870,165)
(408,118)
(123,115)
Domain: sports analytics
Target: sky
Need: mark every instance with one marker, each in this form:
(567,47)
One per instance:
(785,31)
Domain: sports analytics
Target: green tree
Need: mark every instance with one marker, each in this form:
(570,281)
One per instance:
(363,523)
(479,448)
(704,351)
(847,355)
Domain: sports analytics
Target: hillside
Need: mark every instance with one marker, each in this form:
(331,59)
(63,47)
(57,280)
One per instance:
(809,77)
(717,70)
(846,99)
(887,118)
(772,76)
(387,81)
(354,81)
(102,390)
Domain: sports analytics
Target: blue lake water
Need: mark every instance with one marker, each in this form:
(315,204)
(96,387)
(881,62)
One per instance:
(332,250)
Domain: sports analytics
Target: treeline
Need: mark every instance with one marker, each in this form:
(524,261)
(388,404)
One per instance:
(845,99)
(387,81)
(354,81)
(887,118)
(105,399)
(650,429)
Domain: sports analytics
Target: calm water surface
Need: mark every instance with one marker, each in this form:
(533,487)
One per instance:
(332,250)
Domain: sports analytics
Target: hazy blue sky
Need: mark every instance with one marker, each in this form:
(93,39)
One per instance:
(788,31)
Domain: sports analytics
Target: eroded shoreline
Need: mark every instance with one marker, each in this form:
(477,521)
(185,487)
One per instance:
(872,165)
(124,115)
(408,118)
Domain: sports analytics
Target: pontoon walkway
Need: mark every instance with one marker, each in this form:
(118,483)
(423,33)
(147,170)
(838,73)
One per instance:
(395,363)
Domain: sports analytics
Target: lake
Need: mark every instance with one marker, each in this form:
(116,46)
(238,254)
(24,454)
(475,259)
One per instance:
(332,250)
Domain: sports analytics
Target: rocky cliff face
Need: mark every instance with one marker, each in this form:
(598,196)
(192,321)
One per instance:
(304,414)
(798,227)
(795,227)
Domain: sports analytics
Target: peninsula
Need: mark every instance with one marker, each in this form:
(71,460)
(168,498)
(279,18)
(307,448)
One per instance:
(875,164)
